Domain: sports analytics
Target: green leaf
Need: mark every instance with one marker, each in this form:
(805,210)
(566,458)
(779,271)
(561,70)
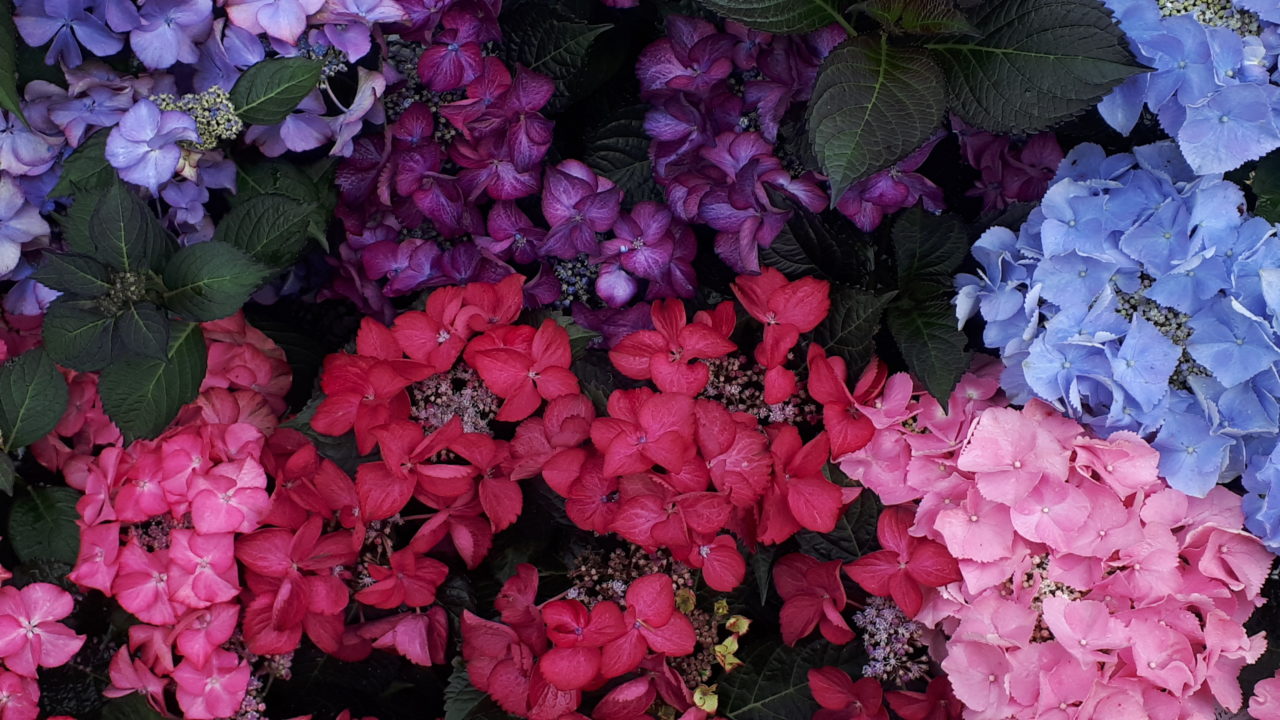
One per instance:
(773,682)
(463,701)
(73,274)
(124,233)
(873,104)
(318,193)
(619,150)
(270,228)
(551,42)
(920,17)
(86,168)
(9,98)
(928,246)
(77,223)
(210,280)
(130,707)
(823,245)
(761,563)
(143,329)
(850,327)
(142,395)
(853,536)
(267,92)
(33,397)
(42,525)
(78,335)
(8,473)
(782,16)
(1266,186)
(926,334)
(1036,62)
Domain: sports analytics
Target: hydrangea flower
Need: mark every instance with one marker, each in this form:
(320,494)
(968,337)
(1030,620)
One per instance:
(69,24)
(143,147)
(1139,297)
(1211,81)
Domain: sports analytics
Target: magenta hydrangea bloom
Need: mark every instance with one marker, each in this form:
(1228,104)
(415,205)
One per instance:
(143,147)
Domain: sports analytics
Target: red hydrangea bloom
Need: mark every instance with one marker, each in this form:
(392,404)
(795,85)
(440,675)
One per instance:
(813,597)
(524,366)
(905,566)
(651,623)
(644,429)
(850,430)
(787,309)
(670,353)
(578,635)
(937,702)
(844,699)
(411,580)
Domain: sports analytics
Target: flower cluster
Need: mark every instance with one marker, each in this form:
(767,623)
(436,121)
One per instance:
(1213,80)
(719,100)
(540,658)
(1139,297)
(435,201)
(1011,172)
(1077,562)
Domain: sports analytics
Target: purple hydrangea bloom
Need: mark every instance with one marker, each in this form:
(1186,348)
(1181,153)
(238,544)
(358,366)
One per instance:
(20,223)
(170,30)
(347,22)
(69,24)
(228,50)
(100,106)
(284,20)
(24,151)
(304,129)
(143,147)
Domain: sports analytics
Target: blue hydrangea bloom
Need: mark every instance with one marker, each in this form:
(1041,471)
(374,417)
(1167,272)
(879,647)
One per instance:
(1211,87)
(1162,318)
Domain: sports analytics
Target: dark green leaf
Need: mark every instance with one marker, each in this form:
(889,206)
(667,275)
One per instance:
(773,682)
(549,41)
(210,280)
(821,245)
(86,168)
(853,536)
(782,16)
(124,233)
(1266,186)
(928,246)
(77,225)
(934,349)
(9,98)
(462,701)
(33,396)
(42,525)
(8,473)
(143,329)
(873,104)
(1036,62)
(318,194)
(270,229)
(130,707)
(920,17)
(761,563)
(73,274)
(619,150)
(850,327)
(267,92)
(78,335)
(143,395)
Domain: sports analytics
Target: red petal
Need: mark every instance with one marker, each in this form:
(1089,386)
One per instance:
(815,503)
(874,571)
(570,668)
(652,598)
(676,638)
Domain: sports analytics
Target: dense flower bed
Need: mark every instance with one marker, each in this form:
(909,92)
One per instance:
(592,360)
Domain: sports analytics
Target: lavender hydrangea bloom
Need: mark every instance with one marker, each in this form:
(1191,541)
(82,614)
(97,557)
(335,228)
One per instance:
(100,106)
(69,24)
(20,223)
(170,30)
(22,150)
(143,147)
(1162,318)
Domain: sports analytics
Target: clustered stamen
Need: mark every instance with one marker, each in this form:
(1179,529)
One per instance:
(215,115)
(892,641)
(1171,323)
(457,393)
